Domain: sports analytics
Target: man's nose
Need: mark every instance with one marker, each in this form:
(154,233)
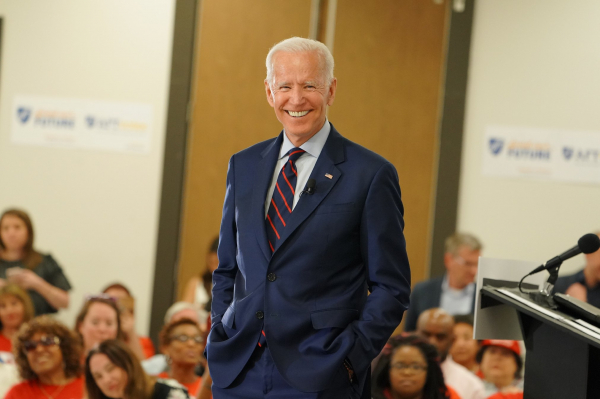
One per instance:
(297,96)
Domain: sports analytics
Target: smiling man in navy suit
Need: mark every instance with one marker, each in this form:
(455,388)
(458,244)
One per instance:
(312,223)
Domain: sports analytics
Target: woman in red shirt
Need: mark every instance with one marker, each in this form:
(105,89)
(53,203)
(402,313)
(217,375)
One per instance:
(48,358)
(15,309)
(182,343)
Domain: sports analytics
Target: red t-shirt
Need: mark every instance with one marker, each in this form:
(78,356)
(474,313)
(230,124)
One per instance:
(192,387)
(507,396)
(31,390)
(5,344)
(147,347)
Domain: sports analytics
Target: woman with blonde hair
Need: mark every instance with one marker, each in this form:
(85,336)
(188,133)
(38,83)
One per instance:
(22,265)
(113,371)
(15,309)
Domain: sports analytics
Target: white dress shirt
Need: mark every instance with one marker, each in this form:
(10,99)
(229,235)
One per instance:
(304,165)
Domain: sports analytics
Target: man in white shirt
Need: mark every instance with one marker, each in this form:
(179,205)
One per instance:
(437,326)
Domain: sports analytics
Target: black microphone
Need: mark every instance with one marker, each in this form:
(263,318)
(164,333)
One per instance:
(587,244)
(311,184)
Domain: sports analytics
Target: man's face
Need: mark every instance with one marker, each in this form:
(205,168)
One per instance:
(299,94)
(462,267)
(439,333)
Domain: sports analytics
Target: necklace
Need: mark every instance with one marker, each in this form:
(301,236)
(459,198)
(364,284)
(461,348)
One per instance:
(55,394)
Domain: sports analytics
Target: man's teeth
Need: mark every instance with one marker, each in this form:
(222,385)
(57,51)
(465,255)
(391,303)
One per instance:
(297,114)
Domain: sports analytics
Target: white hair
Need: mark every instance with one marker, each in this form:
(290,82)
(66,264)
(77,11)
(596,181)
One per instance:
(300,45)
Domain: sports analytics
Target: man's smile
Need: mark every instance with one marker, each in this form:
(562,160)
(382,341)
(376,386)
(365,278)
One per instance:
(297,114)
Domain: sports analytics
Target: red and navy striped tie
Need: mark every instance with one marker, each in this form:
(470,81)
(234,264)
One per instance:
(282,200)
(281,206)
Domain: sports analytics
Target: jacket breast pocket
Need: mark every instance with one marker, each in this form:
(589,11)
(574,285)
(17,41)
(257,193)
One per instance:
(335,208)
(338,318)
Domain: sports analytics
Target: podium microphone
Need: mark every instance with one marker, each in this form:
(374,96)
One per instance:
(587,244)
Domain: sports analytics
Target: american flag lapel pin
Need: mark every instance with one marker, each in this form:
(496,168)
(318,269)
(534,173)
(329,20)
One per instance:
(327,175)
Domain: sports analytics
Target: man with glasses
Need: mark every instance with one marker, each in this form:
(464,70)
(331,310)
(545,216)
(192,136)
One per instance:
(455,291)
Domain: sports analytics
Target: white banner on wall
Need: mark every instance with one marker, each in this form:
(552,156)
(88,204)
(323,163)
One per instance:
(543,154)
(77,123)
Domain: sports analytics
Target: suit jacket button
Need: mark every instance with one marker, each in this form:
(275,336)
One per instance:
(260,315)
(271,277)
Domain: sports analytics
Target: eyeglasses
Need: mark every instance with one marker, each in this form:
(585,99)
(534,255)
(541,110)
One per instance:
(49,340)
(461,261)
(413,367)
(185,338)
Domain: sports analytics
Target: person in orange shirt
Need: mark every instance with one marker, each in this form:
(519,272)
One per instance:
(182,342)
(48,358)
(125,301)
(410,368)
(15,309)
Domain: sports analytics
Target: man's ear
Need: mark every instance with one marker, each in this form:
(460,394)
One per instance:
(269,93)
(447,259)
(331,90)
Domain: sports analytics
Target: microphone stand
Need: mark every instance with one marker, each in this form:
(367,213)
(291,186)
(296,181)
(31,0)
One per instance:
(544,296)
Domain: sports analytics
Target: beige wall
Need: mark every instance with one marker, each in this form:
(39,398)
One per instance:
(95,211)
(533,64)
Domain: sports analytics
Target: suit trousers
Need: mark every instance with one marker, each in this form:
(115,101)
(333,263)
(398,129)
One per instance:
(260,379)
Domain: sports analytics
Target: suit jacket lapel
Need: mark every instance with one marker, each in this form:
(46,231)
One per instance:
(264,173)
(332,154)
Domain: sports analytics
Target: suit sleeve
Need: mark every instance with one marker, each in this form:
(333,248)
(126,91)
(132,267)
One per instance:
(383,249)
(224,275)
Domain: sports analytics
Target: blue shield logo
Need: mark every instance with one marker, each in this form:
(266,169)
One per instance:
(90,121)
(496,145)
(23,114)
(568,153)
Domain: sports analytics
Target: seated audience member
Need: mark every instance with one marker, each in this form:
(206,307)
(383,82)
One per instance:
(48,358)
(22,265)
(455,291)
(179,310)
(464,349)
(585,284)
(198,289)
(98,320)
(113,371)
(409,368)
(501,366)
(437,327)
(15,309)
(141,346)
(182,342)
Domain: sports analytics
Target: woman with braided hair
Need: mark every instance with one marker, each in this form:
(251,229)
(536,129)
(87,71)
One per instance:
(410,369)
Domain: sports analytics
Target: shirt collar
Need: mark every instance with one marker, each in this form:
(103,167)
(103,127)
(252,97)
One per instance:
(313,146)
(468,290)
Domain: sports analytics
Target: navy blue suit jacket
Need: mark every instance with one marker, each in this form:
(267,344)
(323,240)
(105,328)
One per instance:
(342,241)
